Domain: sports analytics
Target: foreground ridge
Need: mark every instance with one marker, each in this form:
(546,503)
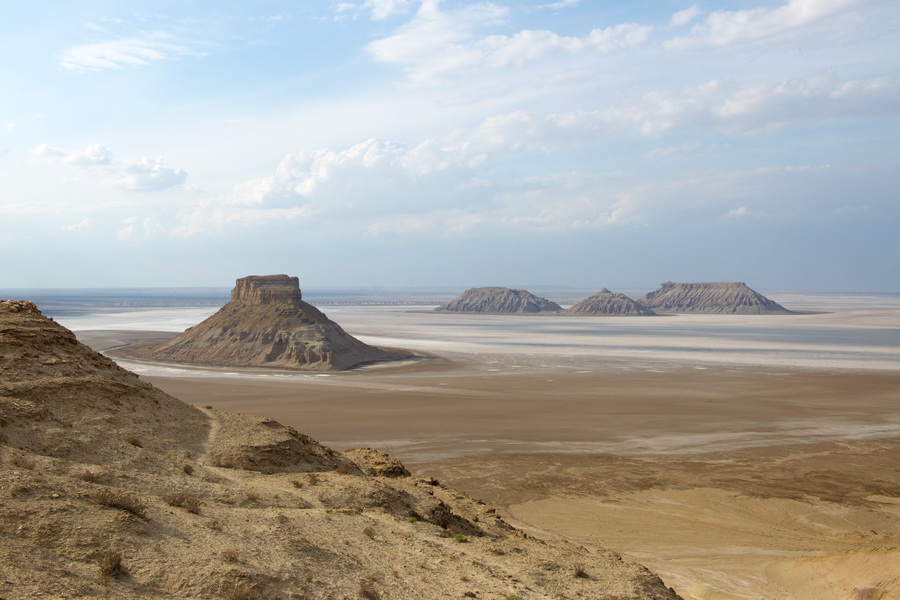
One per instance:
(111,488)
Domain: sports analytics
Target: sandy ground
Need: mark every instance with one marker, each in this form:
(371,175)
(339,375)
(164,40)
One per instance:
(731,481)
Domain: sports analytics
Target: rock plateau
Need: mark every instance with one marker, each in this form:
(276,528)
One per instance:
(110,488)
(731,297)
(267,324)
(606,302)
(498,300)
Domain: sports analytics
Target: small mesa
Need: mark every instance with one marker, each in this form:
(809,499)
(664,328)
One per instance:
(723,297)
(499,300)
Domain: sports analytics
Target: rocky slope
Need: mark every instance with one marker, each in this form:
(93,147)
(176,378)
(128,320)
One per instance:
(109,488)
(498,300)
(267,324)
(731,297)
(606,302)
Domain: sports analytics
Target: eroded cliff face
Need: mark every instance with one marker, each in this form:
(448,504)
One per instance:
(498,300)
(267,289)
(267,324)
(733,297)
(608,303)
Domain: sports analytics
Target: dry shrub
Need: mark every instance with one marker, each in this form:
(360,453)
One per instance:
(214,524)
(345,468)
(579,572)
(133,440)
(230,556)
(240,592)
(186,501)
(111,564)
(122,501)
(4,439)
(90,476)
(188,469)
(369,532)
(367,589)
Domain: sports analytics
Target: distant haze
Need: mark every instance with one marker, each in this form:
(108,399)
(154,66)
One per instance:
(400,143)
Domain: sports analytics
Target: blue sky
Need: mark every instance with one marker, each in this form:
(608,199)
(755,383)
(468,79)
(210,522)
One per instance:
(426,143)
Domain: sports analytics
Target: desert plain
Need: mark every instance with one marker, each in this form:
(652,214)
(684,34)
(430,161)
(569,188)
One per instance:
(735,456)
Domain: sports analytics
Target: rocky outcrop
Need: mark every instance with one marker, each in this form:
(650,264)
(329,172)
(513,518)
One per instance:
(727,297)
(498,300)
(267,324)
(110,488)
(609,303)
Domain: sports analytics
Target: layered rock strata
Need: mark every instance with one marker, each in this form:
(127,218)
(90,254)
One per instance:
(730,297)
(267,324)
(609,303)
(498,300)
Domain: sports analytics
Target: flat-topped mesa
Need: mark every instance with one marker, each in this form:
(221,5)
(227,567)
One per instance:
(721,297)
(499,300)
(607,303)
(267,289)
(266,324)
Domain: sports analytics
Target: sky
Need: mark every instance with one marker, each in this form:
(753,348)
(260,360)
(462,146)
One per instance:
(404,143)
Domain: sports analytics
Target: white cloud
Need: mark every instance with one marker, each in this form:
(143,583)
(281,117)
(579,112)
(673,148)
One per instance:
(683,17)
(437,44)
(93,155)
(741,211)
(148,175)
(83,225)
(135,228)
(723,28)
(115,54)
(381,9)
(562,4)
(145,175)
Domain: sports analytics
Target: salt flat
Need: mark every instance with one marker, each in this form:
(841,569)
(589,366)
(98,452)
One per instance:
(696,443)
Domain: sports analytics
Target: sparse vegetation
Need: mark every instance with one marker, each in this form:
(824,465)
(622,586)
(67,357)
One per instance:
(123,501)
(133,440)
(514,597)
(90,476)
(297,483)
(188,469)
(240,592)
(186,501)
(214,524)
(345,468)
(312,478)
(580,572)
(230,556)
(111,564)
(367,589)
(369,532)
(460,538)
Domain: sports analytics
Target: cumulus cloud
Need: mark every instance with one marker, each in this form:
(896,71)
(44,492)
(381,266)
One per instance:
(723,28)
(145,175)
(741,211)
(381,9)
(683,17)
(92,155)
(115,54)
(136,228)
(148,175)
(437,44)
(82,225)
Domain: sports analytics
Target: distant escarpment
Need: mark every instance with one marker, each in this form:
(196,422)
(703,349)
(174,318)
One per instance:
(267,324)
(726,297)
(498,300)
(610,303)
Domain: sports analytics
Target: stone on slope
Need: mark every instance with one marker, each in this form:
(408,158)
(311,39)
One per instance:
(267,324)
(498,300)
(726,297)
(606,302)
